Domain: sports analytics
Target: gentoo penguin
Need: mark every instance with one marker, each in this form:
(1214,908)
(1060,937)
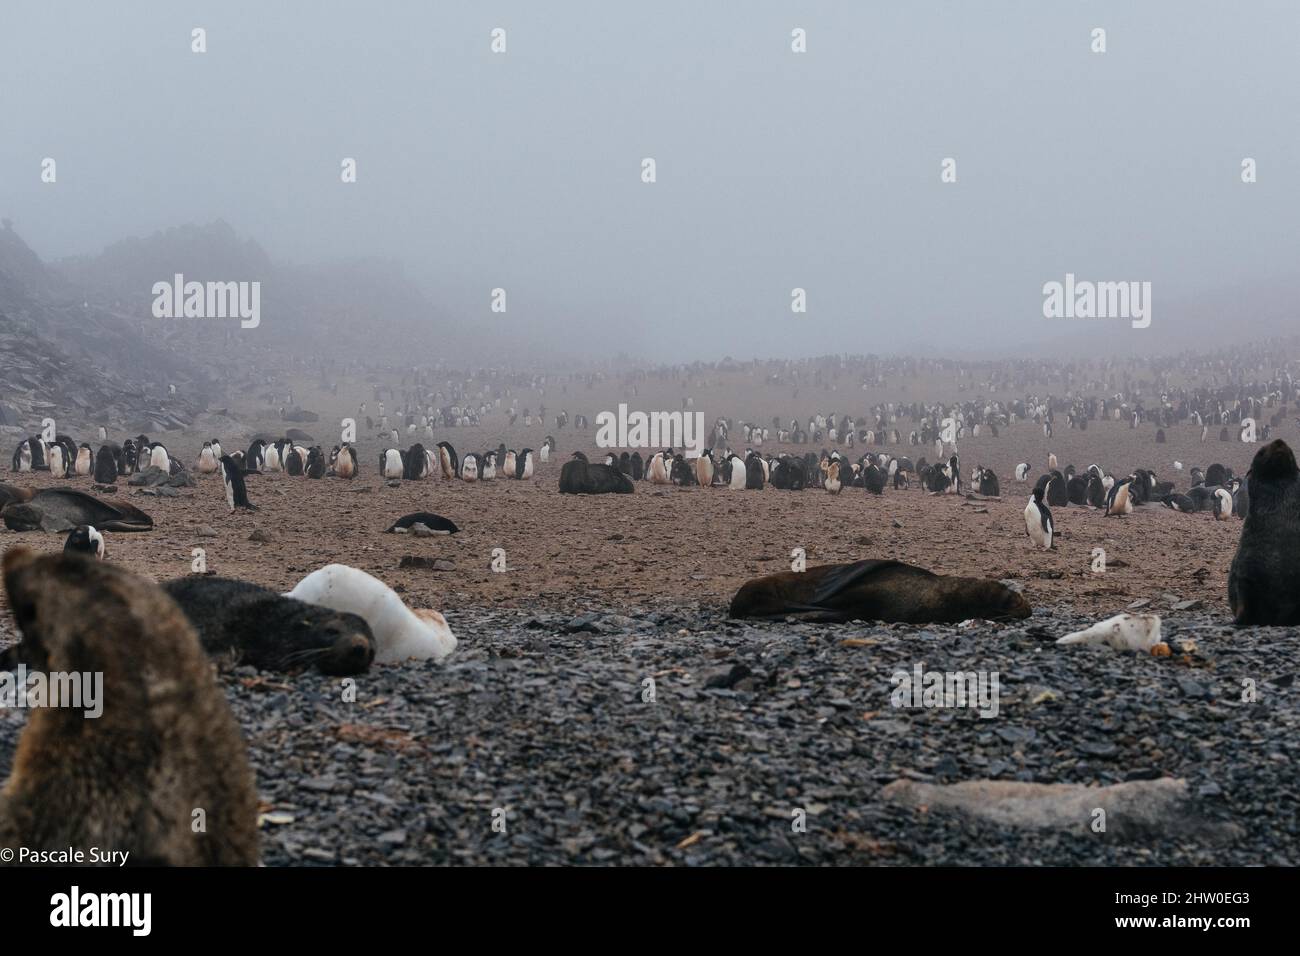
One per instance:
(469,468)
(1022,471)
(831,477)
(1038,521)
(1222,504)
(391,464)
(85,464)
(85,539)
(233,478)
(1118,501)
(208,459)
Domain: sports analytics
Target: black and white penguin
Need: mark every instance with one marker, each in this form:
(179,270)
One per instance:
(255,459)
(448,462)
(216,448)
(1217,474)
(1038,521)
(489,470)
(524,465)
(831,476)
(344,461)
(416,463)
(1096,494)
(58,465)
(874,479)
(1178,503)
(638,466)
(232,476)
(1022,471)
(1118,501)
(85,539)
(1240,498)
(987,483)
(158,457)
(85,462)
(392,464)
(294,462)
(657,470)
(469,468)
(1222,504)
(208,460)
(316,465)
(23,456)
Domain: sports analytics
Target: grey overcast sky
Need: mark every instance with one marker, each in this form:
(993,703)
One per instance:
(775,169)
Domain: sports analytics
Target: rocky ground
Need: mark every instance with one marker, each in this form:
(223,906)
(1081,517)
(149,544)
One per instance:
(541,714)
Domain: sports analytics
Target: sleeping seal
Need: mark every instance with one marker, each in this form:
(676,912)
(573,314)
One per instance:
(164,742)
(61,509)
(1264,581)
(876,591)
(261,628)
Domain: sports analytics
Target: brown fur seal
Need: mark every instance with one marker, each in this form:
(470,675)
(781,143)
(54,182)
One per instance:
(61,509)
(1264,582)
(264,629)
(876,591)
(165,745)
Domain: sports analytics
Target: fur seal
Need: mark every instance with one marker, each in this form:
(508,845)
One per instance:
(580,477)
(164,744)
(61,509)
(399,632)
(263,629)
(1264,581)
(876,591)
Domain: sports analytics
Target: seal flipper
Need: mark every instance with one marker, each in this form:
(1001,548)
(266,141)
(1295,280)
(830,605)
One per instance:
(840,578)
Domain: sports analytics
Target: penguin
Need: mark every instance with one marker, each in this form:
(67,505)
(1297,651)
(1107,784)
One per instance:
(271,457)
(233,477)
(1051,462)
(23,456)
(85,462)
(469,468)
(158,458)
(85,539)
(508,464)
(1217,474)
(415,462)
(987,484)
(704,468)
(638,466)
(1178,503)
(294,462)
(315,467)
(1022,472)
(345,461)
(255,459)
(1160,436)
(874,479)
(58,466)
(1096,493)
(1119,502)
(1038,521)
(391,463)
(657,470)
(755,472)
(1222,504)
(106,465)
(831,477)
(216,449)
(737,474)
(625,463)
(208,459)
(524,465)
(489,471)
(1241,498)
(1076,490)
(448,463)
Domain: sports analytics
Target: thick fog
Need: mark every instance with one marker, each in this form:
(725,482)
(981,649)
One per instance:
(774,169)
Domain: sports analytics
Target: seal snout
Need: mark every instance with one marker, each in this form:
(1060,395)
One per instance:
(350,654)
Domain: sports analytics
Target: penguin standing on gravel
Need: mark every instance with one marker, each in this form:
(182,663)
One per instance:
(232,476)
(1118,501)
(1038,521)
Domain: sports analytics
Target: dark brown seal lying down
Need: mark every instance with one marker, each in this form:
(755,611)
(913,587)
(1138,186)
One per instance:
(59,509)
(877,591)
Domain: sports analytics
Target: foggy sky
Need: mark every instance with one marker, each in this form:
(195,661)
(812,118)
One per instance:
(775,169)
